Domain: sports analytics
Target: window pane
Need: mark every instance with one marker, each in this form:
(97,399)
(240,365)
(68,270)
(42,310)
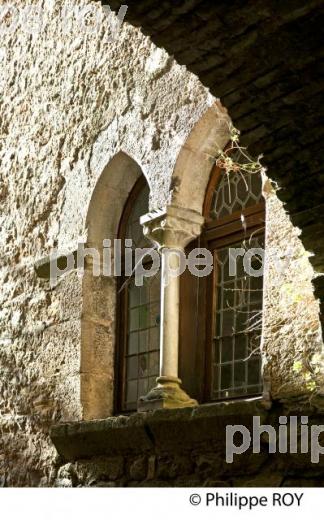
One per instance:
(134,319)
(131,392)
(134,229)
(154,338)
(154,312)
(154,364)
(132,367)
(143,341)
(217,351)
(228,323)
(226,376)
(254,371)
(143,387)
(134,295)
(226,345)
(239,374)
(143,317)
(242,319)
(155,288)
(144,293)
(256,287)
(229,295)
(238,313)
(133,343)
(237,326)
(143,365)
(152,383)
(240,347)
(236,192)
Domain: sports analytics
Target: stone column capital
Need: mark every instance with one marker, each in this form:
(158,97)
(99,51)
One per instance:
(173,228)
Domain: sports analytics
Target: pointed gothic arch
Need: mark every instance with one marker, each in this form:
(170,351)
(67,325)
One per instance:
(99,292)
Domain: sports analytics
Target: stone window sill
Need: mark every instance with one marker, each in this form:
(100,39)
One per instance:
(160,430)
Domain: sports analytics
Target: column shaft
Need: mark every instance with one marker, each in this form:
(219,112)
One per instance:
(170,303)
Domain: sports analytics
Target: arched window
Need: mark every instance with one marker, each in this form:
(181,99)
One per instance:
(220,334)
(138,335)
(235,220)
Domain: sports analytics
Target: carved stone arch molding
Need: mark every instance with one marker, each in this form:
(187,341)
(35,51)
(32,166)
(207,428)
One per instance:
(197,157)
(99,292)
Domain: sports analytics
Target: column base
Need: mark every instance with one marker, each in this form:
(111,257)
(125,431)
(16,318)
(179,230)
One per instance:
(167,394)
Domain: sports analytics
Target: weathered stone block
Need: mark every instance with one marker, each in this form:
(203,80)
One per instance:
(99,469)
(138,469)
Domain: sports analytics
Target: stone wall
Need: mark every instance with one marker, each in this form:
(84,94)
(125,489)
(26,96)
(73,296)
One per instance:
(184,448)
(292,338)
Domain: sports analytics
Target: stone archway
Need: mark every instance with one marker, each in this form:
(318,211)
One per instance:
(197,157)
(99,292)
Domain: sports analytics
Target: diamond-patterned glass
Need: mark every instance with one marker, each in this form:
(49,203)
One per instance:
(236,192)
(237,326)
(237,319)
(134,230)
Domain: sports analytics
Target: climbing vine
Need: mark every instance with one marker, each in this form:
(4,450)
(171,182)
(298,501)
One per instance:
(235,158)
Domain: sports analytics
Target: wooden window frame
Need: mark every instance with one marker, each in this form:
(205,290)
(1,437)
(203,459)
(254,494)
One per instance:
(122,308)
(196,335)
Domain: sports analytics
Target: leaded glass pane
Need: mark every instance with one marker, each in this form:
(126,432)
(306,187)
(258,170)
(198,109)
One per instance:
(143,317)
(131,393)
(143,340)
(237,318)
(134,230)
(235,192)
(237,326)
(133,343)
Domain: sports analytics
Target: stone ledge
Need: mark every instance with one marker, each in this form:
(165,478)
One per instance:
(160,430)
(110,436)
(181,448)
